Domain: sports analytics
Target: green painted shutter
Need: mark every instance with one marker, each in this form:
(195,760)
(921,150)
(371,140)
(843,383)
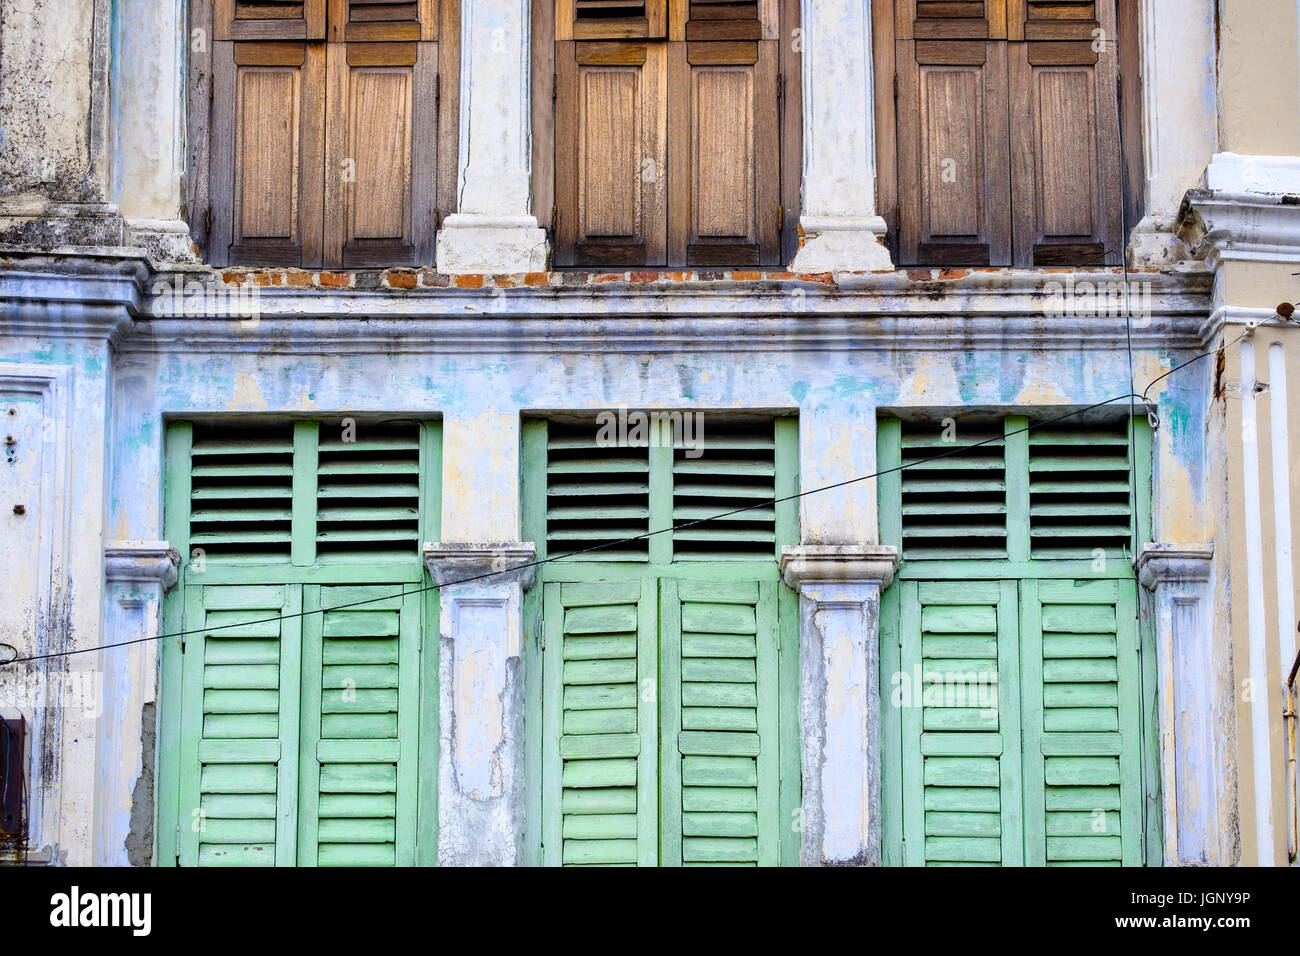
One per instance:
(1082,700)
(360,728)
(733,467)
(600,724)
(296,734)
(596,494)
(241,492)
(720,766)
(238,801)
(961,735)
(1080,478)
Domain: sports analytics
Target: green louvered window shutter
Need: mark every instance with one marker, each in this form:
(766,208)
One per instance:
(601,668)
(1029,602)
(668,708)
(360,704)
(294,735)
(720,765)
(239,734)
(961,767)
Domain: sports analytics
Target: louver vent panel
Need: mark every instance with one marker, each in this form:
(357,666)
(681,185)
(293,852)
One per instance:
(596,494)
(1079,490)
(368,493)
(735,470)
(723,20)
(268,9)
(955,507)
(241,492)
(1061,20)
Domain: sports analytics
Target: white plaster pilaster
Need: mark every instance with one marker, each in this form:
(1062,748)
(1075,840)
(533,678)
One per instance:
(493,230)
(1191,755)
(839,221)
(481,705)
(839,701)
(137,574)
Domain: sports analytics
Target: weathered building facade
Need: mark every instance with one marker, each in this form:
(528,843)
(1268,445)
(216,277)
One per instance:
(548,431)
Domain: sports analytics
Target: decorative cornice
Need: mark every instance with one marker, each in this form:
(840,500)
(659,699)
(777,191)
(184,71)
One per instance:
(451,563)
(838,564)
(1219,226)
(1159,564)
(71,293)
(144,563)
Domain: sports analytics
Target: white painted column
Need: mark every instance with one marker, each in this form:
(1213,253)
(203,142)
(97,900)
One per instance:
(493,230)
(1180,118)
(1193,761)
(148,139)
(481,701)
(137,574)
(839,697)
(839,220)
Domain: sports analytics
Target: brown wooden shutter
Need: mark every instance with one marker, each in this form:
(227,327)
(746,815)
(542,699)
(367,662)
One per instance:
(381,20)
(953,180)
(1066,166)
(267,153)
(381,154)
(724,162)
(724,153)
(610,19)
(269,20)
(611,197)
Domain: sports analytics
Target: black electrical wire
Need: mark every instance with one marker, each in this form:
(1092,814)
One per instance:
(764,503)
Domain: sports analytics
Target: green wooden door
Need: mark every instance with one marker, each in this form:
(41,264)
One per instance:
(660,719)
(292,705)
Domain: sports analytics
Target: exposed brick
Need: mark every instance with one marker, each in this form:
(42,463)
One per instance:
(336,280)
(401,280)
(467,282)
(537,279)
(233,278)
(264,279)
(507,281)
(679,276)
(367,281)
(825,278)
(920,275)
(644,277)
(954,273)
(744,276)
(431,279)
(602,277)
(297,278)
(778,276)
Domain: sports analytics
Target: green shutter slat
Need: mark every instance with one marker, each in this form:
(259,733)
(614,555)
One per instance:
(241,489)
(378,517)
(596,494)
(733,468)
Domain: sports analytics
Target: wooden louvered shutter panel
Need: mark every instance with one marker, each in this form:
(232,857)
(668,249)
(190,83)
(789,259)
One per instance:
(368,494)
(241,493)
(360,726)
(381,161)
(961,738)
(611,158)
(954,507)
(1066,162)
(1080,483)
(239,727)
(724,144)
(600,724)
(269,20)
(596,494)
(1083,735)
(610,19)
(953,181)
(268,145)
(734,469)
(720,766)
